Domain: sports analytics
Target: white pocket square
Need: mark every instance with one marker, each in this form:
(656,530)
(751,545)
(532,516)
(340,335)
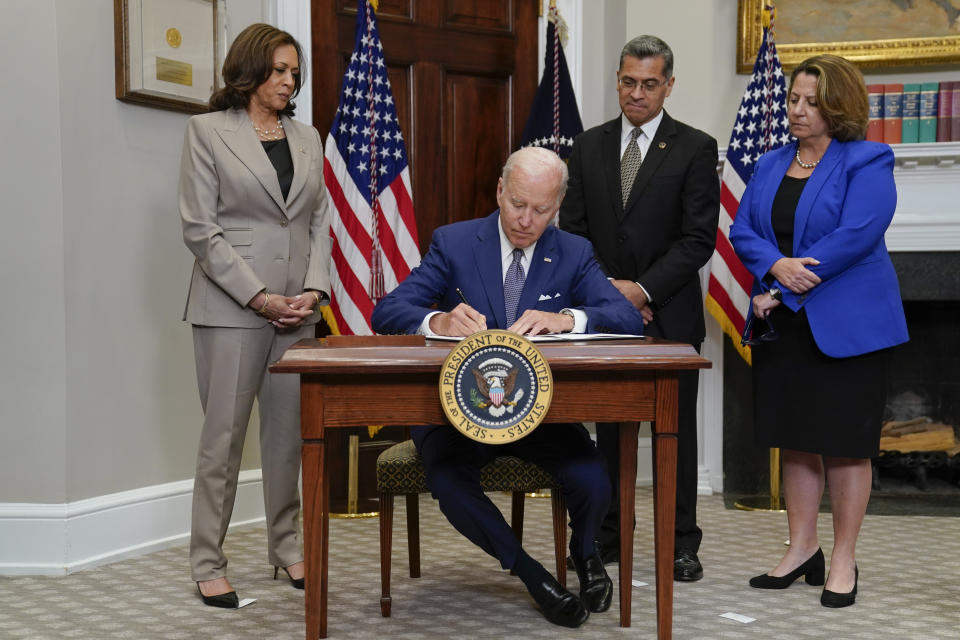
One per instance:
(544,296)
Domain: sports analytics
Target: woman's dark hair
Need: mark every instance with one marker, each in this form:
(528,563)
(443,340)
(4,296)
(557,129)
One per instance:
(841,95)
(248,65)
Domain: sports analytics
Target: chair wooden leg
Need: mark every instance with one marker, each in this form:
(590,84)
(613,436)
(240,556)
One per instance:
(413,533)
(560,534)
(386,546)
(516,517)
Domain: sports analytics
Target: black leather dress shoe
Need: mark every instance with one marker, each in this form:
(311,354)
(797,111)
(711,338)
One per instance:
(559,606)
(596,587)
(686,566)
(609,554)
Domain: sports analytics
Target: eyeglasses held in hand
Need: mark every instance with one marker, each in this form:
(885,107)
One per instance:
(767,336)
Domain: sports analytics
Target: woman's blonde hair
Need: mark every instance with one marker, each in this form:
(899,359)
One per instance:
(841,95)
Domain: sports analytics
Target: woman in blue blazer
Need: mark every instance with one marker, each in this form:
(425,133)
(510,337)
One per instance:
(810,229)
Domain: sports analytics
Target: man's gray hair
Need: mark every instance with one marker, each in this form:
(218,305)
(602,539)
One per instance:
(535,160)
(649,47)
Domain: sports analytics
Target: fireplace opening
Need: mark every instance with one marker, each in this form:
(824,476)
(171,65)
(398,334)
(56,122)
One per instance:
(920,444)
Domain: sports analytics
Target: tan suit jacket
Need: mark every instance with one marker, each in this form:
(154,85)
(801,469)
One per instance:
(235,221)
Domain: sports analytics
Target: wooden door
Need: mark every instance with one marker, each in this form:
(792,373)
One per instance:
(463,74)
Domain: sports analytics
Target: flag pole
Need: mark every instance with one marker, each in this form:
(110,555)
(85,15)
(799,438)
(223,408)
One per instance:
(775,501)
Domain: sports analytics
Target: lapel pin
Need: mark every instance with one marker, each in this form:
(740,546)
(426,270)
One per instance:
(547,260)
(662,145)
(301,149)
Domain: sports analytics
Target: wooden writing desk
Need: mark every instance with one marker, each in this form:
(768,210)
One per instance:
(626,381)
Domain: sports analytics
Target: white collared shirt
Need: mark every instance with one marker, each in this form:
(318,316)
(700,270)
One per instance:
(648,128)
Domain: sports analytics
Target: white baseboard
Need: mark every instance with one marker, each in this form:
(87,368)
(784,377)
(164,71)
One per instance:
(645,469)
(704,481)
(645,462)
(57,539)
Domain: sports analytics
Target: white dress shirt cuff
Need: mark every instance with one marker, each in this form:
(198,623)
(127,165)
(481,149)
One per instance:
(424,329)
(579,320)
(645,292)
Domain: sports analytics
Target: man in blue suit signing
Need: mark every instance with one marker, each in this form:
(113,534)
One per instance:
(519,273)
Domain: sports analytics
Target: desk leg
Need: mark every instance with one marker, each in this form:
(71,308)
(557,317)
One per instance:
(316,536)
(665,498)
(628,487)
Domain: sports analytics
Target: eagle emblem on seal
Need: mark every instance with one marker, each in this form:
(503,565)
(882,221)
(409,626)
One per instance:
(496,379)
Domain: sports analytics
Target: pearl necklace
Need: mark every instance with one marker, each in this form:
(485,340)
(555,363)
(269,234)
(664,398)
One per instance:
(807,165)
(270,134)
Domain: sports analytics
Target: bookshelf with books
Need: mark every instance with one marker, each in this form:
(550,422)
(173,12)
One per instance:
(914,113)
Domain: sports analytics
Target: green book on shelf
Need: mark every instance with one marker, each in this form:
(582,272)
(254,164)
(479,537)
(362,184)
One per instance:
(928,111)
(911,113)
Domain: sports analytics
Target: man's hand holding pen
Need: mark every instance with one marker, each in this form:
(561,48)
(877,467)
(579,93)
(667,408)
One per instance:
(462,320)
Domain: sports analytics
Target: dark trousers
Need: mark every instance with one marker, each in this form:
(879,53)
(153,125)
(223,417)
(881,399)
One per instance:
(565,451)
(688,534)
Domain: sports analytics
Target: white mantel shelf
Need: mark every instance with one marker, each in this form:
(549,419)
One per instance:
(928,198)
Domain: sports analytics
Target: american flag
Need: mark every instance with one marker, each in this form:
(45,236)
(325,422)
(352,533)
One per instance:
(761,126)
(554,119)
(367,179)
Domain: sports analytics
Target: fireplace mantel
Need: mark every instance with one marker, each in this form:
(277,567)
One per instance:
(928,198)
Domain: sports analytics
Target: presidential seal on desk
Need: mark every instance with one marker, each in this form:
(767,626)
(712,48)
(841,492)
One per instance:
(495,386)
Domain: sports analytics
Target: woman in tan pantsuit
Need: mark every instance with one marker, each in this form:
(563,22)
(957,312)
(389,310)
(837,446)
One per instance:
(253,209)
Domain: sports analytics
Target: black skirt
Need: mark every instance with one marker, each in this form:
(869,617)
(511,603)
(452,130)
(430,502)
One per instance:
(807,401)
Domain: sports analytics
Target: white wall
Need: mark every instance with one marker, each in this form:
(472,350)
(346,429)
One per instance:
(604,34)
(32,350)
(97,386)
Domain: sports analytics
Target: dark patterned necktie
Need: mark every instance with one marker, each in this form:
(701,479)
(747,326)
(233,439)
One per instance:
(629,165)
(512,286)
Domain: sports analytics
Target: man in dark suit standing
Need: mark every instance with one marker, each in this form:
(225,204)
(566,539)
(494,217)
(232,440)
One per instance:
(522,274)
(644,189)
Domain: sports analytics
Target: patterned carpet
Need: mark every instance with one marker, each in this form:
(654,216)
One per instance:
(908,589)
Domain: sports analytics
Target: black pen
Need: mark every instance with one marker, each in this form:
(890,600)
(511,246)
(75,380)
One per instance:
(462,297)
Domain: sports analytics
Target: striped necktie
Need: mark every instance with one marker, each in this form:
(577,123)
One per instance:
(629,165)
(512,286)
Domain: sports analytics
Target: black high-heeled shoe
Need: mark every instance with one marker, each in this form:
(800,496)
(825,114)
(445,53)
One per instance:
(813,569)
(228,600)
(298,583)
(836,600)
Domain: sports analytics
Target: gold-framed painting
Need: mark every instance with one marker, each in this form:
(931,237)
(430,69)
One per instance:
(869,33)
(168,52)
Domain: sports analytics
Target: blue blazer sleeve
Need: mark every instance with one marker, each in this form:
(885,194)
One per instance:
(606,308)
(403,309)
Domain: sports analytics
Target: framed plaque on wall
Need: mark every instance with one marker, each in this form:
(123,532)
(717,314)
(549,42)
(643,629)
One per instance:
(168,52)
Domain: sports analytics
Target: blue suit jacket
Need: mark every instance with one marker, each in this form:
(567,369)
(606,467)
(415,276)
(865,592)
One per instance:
(563,274)
(842,215)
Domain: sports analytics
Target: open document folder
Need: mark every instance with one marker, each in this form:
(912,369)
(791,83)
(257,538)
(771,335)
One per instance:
(555,337)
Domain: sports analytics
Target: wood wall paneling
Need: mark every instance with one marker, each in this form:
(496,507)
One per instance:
(476,13)
(463,74)
(386,8)
(476,110)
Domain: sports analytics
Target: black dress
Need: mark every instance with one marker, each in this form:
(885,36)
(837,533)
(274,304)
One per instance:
(803,399)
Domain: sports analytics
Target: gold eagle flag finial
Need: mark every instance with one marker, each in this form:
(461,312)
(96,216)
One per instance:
(769,14)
